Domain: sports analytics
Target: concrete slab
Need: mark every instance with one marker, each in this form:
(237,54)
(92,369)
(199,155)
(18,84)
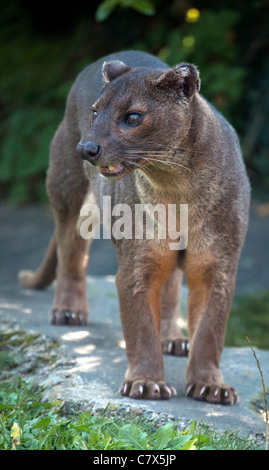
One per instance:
(93,364)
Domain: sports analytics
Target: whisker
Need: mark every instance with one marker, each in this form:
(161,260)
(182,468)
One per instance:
(146,159)
(153,160)
(145,151)
(150,160)
(151,146)
(141,166)
(173,164)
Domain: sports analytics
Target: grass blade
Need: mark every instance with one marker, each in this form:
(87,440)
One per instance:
(264,393)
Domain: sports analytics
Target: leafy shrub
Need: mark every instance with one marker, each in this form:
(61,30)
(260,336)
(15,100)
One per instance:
(42,54)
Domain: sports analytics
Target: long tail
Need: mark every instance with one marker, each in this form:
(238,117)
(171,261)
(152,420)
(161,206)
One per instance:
(46,272)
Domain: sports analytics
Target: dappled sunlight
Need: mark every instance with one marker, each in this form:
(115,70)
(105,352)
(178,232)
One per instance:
(122,344)
(87,363)
(28,311)
(216,412)
(182,323)
(75,335)
(84,350)
(12,306)
(118,360)
(17,307)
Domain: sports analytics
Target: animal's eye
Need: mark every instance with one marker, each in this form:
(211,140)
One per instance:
(94,114)
(133,119)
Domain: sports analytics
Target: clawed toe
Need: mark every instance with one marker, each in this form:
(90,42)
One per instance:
(178,347)
(216,394)
(66,317)
(147,390)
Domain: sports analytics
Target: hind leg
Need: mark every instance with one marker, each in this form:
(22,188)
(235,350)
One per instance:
(67,187)
(70,301)
(173,340)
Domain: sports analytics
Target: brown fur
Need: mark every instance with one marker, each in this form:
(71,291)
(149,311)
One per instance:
(193,158)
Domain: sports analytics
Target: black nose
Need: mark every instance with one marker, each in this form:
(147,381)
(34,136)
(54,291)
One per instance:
(90,151)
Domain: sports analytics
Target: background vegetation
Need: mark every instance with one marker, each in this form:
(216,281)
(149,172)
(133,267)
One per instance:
(44,47)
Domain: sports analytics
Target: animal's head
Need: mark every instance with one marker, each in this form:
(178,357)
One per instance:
(139,117)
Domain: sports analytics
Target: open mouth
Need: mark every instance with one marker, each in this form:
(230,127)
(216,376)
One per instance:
(111,170)
(119,169)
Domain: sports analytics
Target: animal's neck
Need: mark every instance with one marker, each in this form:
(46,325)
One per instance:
(180,177)
(160,185)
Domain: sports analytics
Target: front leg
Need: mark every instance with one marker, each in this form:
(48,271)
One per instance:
(211,288)
(139,283)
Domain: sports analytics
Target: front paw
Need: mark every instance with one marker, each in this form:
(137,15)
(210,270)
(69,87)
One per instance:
(176,347)
(67,317)
(146,389)
(215,393)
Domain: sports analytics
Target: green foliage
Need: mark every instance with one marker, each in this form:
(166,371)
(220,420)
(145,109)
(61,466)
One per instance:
(42,427)
(106,7)
(249,317)
(26,423)
(25,154)
(35,83)
(209,43)
(40,56)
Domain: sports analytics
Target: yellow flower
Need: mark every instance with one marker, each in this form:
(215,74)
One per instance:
(16,435)
(192,15)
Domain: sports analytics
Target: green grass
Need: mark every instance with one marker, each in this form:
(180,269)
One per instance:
(249,317)
(26,423)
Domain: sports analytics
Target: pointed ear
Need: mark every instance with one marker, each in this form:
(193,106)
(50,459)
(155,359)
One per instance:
(113,69)
(182,81)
